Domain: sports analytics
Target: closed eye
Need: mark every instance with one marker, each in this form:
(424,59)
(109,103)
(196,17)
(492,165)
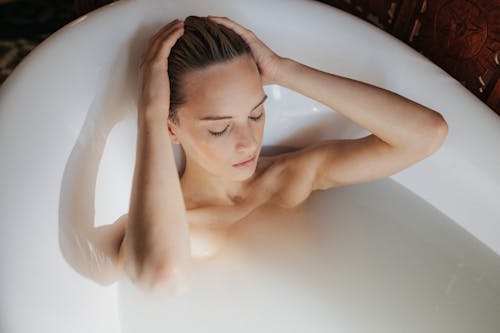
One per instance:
(257,118)
(219,133)
(225,129)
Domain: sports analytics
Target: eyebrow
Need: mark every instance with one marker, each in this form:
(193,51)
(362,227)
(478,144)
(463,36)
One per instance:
(228,117)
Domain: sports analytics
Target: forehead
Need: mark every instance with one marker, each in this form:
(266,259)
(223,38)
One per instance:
(227,88)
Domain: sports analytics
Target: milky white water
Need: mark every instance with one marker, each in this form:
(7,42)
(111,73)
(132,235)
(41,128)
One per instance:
(369,257)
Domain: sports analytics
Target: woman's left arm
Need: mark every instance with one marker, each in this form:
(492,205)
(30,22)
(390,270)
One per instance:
(403,131)
(393,118)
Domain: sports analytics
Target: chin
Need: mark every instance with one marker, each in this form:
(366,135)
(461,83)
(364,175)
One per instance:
(243,174)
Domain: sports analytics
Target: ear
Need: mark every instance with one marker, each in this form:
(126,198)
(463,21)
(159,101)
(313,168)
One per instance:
(171,131)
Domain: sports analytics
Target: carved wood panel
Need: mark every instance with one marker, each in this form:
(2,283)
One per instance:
(460,36)
(463,37)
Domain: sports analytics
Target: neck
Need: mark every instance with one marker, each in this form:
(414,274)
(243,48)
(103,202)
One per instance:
(204,188)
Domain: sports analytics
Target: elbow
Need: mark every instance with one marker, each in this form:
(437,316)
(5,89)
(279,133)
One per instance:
(173,280)
(436,135)
(157,275)
(439,132)
(105,280)
(167,278)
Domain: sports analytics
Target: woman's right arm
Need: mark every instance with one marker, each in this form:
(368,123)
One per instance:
(155,251)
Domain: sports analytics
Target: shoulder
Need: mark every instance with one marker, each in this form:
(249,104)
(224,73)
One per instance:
(287,177)
(339,162)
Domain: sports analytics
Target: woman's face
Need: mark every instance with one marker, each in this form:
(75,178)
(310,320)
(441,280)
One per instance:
(222,123)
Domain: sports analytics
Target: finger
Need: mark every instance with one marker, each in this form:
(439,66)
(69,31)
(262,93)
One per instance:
(153,40)
(167,40)
(160,35)
(164,28)
(165,47)
(239,29)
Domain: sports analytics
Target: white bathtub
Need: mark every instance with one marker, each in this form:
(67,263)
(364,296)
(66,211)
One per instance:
(414,252)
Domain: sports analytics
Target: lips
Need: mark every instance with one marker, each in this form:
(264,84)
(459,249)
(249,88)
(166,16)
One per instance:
(244,162)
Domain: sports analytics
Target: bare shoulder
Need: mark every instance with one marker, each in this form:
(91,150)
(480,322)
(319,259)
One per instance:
(339,162)
(287,180)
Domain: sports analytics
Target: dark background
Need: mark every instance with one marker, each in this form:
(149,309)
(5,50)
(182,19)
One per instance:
(460,36)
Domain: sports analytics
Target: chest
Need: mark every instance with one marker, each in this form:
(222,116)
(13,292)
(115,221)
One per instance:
(271,207)
(263,228)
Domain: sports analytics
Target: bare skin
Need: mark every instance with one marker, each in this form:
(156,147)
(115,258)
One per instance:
(216,194)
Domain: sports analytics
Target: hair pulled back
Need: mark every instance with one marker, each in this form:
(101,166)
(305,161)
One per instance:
(203,43)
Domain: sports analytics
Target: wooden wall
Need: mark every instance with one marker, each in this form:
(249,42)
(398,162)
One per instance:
(460,36)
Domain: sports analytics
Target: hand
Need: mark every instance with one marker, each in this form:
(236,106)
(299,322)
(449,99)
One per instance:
(267,61)
(154,86)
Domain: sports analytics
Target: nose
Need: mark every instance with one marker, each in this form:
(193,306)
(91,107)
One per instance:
(246,142)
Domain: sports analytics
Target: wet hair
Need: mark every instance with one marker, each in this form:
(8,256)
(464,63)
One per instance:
(203,43)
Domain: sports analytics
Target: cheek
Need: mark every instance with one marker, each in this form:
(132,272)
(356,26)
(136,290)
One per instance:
(260,131)
(215,151)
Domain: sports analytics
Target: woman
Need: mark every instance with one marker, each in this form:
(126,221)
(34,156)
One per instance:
(208,97)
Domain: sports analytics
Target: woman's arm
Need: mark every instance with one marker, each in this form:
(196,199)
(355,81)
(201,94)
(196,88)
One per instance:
(403,132)
(156,243)
(156,246)
(395,119)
